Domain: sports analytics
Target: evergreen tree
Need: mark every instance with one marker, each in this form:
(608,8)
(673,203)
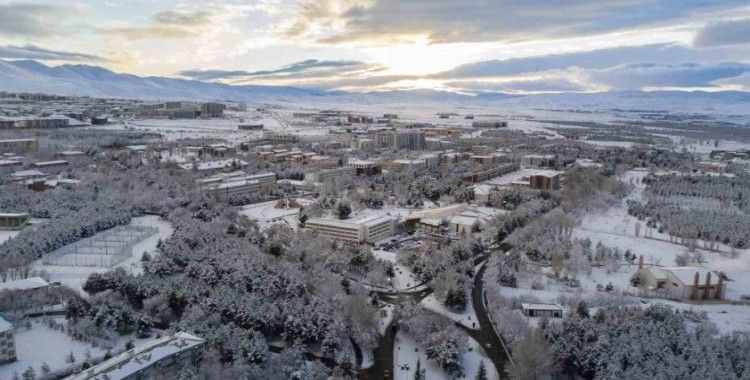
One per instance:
(481,372)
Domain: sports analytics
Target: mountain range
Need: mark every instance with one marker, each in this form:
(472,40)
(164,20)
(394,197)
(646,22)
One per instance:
(87,80)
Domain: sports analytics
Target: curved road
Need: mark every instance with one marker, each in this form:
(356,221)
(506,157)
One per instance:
(492,344)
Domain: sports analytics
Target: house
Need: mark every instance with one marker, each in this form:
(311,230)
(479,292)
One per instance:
(167,353)
(549,310)
(7,342)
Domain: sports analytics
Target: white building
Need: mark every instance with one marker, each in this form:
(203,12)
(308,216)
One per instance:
(7,342)
(368,229)
(167,353)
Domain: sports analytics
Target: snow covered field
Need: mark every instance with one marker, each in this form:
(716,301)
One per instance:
(267,214)
(42,344)
(468,318)
(404,278)
(74,277)
(406,353)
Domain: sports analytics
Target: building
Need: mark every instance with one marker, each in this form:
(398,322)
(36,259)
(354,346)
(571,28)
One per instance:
(250,127)
(10,165)
(538,160)
(212,109)
(167,353)
(33,122)
(365,167)
(215,166)
(489,173)
(545,179)
(412,140)
(7,342)
(238,183)
(404,164)
(13,221)
(19,145)
(235,188)
(330,175)
(368,229)
(489,124)
(51,165)
(280,137)
(549,310)
(712,167)
(684,283)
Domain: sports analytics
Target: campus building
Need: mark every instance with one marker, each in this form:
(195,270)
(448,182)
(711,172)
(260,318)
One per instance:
(368,229)
(19,145)
(7,342)
(166,355)
(13,221)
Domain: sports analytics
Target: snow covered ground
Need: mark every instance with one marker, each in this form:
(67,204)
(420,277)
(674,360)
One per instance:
(468,318)
(267,214)
(42,344)
(74,277)
(406,353)
(404,278)
(8,234)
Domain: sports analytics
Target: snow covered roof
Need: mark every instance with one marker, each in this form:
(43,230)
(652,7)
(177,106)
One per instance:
(27,173)
(463,220)
(686,275)
(137,359)
(24,284)
(541,306)
(5,324)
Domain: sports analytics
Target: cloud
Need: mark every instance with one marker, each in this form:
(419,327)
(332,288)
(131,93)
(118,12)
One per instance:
(601,58)
(169,24)
(30,20)
(643,75)
(724,33)
(340,21)
(39,53)
(519,86)
(304,69)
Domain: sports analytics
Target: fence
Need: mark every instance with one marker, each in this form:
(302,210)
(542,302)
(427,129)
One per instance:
(105,249)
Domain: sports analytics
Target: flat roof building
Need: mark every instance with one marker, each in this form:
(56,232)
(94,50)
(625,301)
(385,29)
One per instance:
(368,229)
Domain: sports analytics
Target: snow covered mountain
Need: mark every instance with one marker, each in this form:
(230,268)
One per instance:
(32,76)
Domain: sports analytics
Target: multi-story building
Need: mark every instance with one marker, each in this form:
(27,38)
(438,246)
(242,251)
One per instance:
(489,124)
(369,229)
(19,145)
(413,140)
(163,355)
(26,122)
(537,160)
(7,342)
(365,167)
(13,221)
(545,179)
(330,175)
(51,165)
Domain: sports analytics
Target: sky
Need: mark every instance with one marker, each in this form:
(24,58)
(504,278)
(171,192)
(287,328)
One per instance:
(465,46)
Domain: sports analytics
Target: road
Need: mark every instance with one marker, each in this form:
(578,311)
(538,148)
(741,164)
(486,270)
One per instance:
(492,343)
(485,335)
